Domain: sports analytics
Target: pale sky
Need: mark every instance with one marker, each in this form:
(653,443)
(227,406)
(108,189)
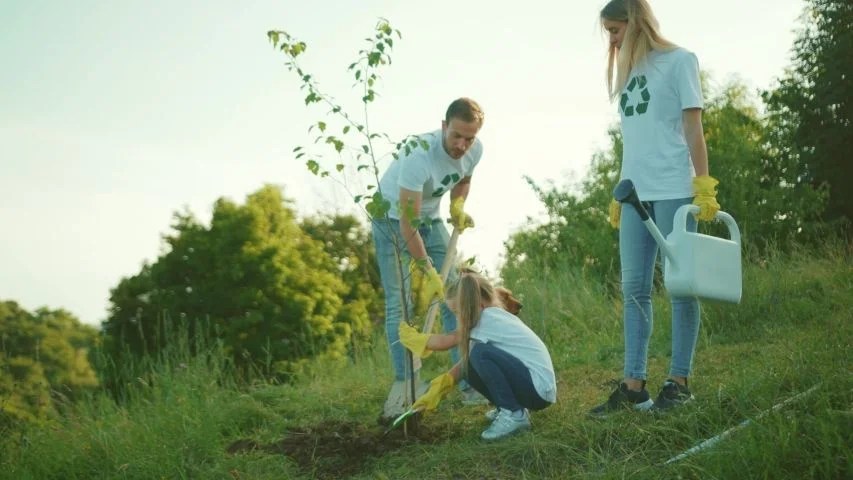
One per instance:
(114,115)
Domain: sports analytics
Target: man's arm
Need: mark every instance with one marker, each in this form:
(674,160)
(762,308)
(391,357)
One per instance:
(410,208)
(461,189)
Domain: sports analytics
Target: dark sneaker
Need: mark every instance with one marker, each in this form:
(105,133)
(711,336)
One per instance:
(672,395)
(623,399)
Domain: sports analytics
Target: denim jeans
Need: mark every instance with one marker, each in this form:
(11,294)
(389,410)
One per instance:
(637,254)
(502,378)
(435,237)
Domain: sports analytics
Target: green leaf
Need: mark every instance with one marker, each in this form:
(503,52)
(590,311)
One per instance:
(377,207)
(365,148)
(313,166)
(339,167)
(346,129)
(321,126)
(297,149)
(297,48)
(339,145)
(273,36)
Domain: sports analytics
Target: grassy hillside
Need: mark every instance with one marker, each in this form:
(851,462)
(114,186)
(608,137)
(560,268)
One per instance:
(792,332)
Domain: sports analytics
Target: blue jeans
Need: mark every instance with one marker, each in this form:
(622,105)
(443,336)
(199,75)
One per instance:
(637,254)
(435,237)
(502,378)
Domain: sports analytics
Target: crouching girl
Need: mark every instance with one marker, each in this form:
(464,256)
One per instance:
(501,357)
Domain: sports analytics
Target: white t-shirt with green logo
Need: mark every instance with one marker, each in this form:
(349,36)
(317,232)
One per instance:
(656,156)
(507,332)
(432,172)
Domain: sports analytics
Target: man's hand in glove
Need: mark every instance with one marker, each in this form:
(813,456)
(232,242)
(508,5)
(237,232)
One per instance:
(458,218)
(414,340)
(705,197)
(439,387)
(429,282)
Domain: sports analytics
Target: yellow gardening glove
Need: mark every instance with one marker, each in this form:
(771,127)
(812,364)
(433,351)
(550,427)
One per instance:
(705,197)
(414,340)
(615,213)
(429,284)
(439,387)
(458,218)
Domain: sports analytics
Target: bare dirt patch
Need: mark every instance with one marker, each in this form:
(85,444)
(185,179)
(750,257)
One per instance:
(338,449)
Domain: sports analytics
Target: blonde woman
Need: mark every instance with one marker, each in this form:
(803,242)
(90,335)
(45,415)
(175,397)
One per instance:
(657,86)
(501,357)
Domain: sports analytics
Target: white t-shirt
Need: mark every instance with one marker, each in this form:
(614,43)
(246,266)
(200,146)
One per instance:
(507,332)
(432,172)
(656,156)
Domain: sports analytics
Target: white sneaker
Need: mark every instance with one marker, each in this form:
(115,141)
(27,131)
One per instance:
(492,414)
(506,424)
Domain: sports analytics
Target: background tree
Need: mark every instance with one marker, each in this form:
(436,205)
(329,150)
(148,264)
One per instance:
(44,362)
(765,192)
(349,247)
(261,283)
(576,236)
(811,109)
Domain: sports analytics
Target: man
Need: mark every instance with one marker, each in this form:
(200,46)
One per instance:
(414,185)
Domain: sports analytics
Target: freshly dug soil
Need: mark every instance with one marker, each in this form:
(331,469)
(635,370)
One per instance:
(336,449)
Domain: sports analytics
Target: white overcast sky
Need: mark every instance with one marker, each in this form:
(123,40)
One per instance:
(114,115)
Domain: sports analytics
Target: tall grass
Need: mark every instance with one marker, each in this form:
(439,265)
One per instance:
(791,332)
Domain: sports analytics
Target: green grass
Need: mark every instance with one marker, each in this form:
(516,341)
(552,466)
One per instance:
(791,332)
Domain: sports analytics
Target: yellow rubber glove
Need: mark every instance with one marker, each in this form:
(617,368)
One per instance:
(414,340)
(705,197)
(458,218)
(615,213)
(439,387)
(428,283)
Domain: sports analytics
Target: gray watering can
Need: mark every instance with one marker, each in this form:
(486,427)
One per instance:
(695,265)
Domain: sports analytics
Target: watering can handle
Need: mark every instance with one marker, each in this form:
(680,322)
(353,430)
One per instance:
(680,221)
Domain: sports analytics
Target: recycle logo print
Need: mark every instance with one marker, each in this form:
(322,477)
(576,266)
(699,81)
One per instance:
(445,182)
(638,82)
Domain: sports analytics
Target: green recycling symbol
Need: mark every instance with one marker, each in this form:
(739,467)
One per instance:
(445,182)
(639,81)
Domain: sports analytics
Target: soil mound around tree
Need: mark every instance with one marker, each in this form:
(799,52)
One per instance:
(338,449)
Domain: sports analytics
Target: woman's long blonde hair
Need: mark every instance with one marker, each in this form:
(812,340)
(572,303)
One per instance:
(471,294)
(642,35)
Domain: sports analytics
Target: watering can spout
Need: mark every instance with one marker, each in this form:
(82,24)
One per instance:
(625,192)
